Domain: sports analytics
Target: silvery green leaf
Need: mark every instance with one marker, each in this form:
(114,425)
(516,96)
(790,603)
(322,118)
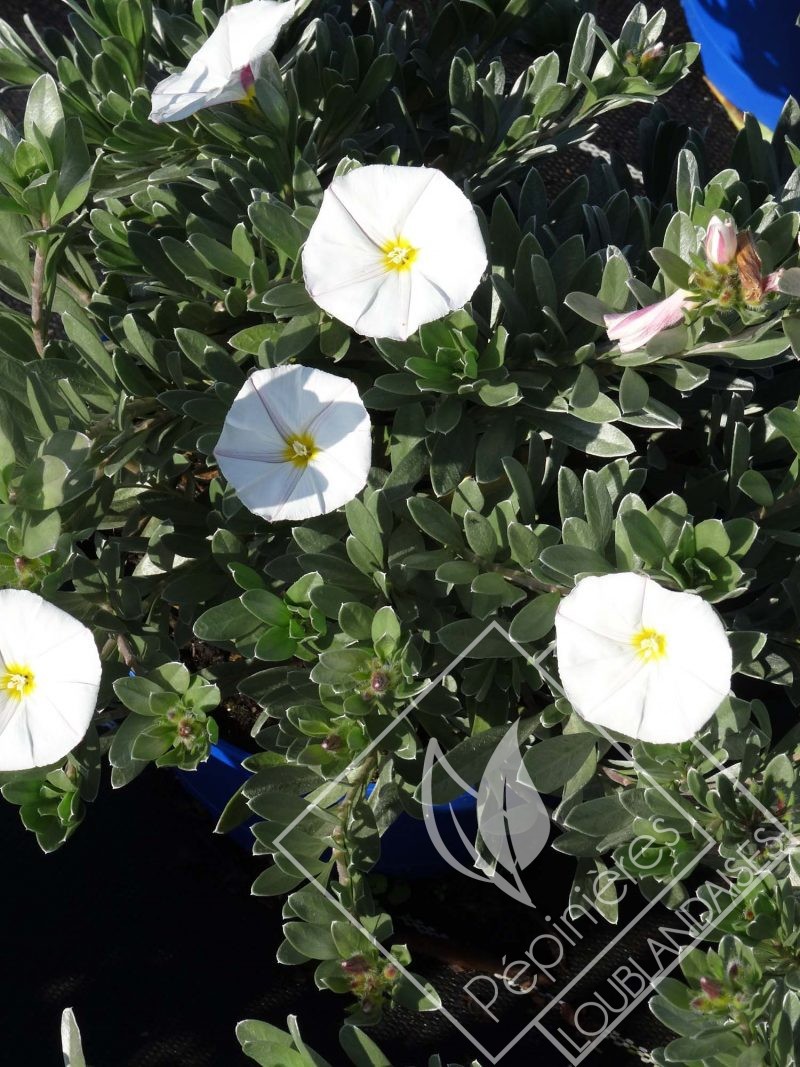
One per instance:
(71,1044)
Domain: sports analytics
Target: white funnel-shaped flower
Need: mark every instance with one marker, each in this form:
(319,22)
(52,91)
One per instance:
(393,248)
(49,678)
(640,659)
(296,443)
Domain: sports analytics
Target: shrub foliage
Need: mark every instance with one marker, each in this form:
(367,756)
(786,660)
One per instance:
(149,269)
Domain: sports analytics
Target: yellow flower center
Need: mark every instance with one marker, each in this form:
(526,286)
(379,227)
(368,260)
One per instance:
(650,645)
(398,254)
(249,100)
(300,449)
(17,680)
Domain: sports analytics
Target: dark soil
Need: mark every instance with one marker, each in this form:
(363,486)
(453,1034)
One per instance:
(237,714)
(691,101)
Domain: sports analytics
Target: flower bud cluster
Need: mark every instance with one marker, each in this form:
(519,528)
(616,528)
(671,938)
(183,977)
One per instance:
(371,980)
(728,277)
(731,275)
(724,995)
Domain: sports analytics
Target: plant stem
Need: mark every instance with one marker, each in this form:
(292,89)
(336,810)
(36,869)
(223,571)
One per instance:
(527,581)
(362,776)
(37,296)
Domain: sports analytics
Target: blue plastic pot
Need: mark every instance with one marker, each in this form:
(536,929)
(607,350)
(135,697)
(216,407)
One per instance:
(406,849)
(750,51)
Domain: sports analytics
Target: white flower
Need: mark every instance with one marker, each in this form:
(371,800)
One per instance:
(393,248)
(642,660)
(225,66)
(296,442)
(49,677)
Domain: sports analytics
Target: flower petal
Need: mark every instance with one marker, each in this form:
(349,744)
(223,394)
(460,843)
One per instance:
(213,74)
(379,198)
(277,402)
(341,419)
(280,403)
(266,489)
(393,307)
(181,95)
(609,605)
(252,29)
(677,704)
(618,699)
(720,241)
(634,329)
(665,697)
(343,266)
(19,610)
(696,643)
(388,313)
(342,473)
(452,254)
(44,725)
(771,284)
(56,717)
(364,210)
(17,752)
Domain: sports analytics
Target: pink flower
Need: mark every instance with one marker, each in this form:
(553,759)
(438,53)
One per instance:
(633,329)
(770,283)
(720,242)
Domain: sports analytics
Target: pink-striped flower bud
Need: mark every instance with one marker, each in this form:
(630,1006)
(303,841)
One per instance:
(712,989)
(720,242)
(652,54)
(633,329)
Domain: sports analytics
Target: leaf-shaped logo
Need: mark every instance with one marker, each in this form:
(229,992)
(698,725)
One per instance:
(513,823)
